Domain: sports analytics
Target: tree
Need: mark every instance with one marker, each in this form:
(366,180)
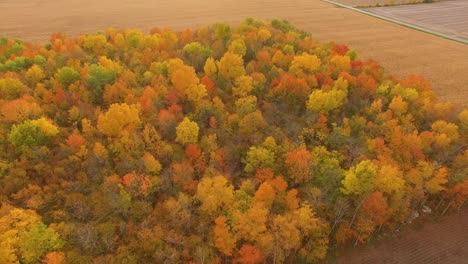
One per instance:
(187,132)
(243,86)
(98,77)
(251,126)
(54,258)
(210,68)
(249,254)
(324,102)
(67,75)
(304,64)
(225,241)
(196,54)
(11,88)
(299,165)
(32,133)
(23,237)
(389,180)
(231,66)
(182,76)
(214,194)
(258,157)
(34,75)
(238,47)
(38,240)
(342,63)
(75,141)
(119,117)
(360,179)
(20,109)
(376,208)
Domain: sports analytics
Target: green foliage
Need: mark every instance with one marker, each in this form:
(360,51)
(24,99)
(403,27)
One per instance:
(26,134)
(258,157)
(11,88)
(67,75)
(32,133)
(38,240)
(39,59)
(196,54)
(360,179)
(324,102)
(98,77)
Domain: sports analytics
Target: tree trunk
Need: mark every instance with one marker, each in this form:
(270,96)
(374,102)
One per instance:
(440,202)
(461,205)
(357,238)
(448,206)
(355,212)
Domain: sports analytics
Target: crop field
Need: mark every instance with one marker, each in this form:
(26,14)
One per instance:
(439,242)
(400,50)
(448,17)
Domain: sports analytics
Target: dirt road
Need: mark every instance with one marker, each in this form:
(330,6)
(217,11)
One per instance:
(400,50)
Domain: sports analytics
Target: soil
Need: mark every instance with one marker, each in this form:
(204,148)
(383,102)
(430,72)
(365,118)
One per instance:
(438,242)
(400,50)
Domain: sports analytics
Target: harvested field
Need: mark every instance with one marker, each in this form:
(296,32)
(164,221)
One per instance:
(435,243)
(400,50)
(449,17)
(368,3)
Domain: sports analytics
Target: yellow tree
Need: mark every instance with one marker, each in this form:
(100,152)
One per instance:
(119,117)
(238,47)
(225,240)
(187,132)
(324,102)
(304,64)
(214,193)
(23,237)
(231,66)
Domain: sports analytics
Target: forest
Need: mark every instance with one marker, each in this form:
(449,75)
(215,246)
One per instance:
(252,143)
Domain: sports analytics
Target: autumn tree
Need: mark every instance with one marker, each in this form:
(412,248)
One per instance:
(231,66)
(187,132)
(214,194)
(119,117)
(225,241)
(299,163)
(25,238)
(67,75)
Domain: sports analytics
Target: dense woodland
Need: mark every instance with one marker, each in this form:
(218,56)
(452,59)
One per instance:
(247,144)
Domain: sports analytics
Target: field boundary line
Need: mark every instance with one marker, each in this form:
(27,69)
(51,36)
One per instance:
(399,22)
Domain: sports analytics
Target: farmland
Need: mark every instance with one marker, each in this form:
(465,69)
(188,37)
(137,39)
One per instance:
(437,242)
(400,50)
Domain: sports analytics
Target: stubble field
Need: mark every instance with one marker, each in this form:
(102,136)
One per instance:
(400,50)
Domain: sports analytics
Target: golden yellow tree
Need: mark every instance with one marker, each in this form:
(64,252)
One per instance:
(187,132)
(119,117)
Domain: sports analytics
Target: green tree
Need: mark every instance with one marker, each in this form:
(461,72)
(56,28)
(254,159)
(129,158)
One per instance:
(67,75)
(258,157)
(37,241)
(98,77)
(32,133)
(360,179)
